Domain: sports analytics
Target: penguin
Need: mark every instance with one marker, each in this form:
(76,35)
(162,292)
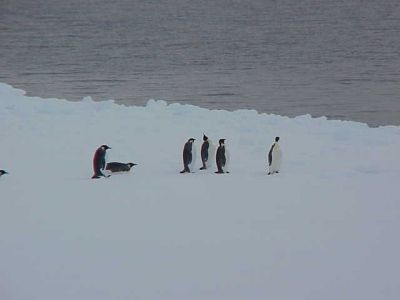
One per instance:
(220,157)
(274,157)
(204,151)
(99,162)
(2,172)
(187,155)
(119,167)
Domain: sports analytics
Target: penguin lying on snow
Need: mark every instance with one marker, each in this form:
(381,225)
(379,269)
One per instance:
(119,167)
(2,172)
(99,162)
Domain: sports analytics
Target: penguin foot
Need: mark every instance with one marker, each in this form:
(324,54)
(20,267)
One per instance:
(97,176)
(219,172)
(203,168)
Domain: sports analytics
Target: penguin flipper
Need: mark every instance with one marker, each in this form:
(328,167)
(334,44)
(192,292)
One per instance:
(270,155)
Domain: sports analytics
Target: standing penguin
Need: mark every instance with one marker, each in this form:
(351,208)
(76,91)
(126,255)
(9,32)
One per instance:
(2,172)
(274,158)
(187,155)
(99,161)
(221,157)
(204,151)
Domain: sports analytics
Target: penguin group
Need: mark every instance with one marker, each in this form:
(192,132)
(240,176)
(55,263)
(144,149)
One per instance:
(100,166)
(274,156)
(220,156)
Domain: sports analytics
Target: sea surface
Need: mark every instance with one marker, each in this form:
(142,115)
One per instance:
(339,59)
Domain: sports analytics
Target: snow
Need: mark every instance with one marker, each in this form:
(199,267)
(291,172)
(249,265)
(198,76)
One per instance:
(326,227)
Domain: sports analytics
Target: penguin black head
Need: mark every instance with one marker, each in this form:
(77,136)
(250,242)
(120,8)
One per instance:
(205,138)
(105,147)
(277,139)
(2,172)
(131,165)
(191,140)
(222,141)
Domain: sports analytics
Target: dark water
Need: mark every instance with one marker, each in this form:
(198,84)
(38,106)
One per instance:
(335,58)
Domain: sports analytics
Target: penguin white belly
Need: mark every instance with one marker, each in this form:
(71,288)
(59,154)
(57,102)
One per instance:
(194,156)
(228,160)
(211,155)
(276,160)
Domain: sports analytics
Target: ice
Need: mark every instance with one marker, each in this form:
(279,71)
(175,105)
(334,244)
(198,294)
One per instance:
(325,227)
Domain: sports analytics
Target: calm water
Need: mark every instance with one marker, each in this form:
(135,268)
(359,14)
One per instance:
(336,58)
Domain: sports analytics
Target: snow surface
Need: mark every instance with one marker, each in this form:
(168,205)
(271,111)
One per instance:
(326,227)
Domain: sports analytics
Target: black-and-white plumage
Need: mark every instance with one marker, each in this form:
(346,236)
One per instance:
(220,157)
(204,152)
(119,167)
(99,161)
(274,158)
(187,155)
